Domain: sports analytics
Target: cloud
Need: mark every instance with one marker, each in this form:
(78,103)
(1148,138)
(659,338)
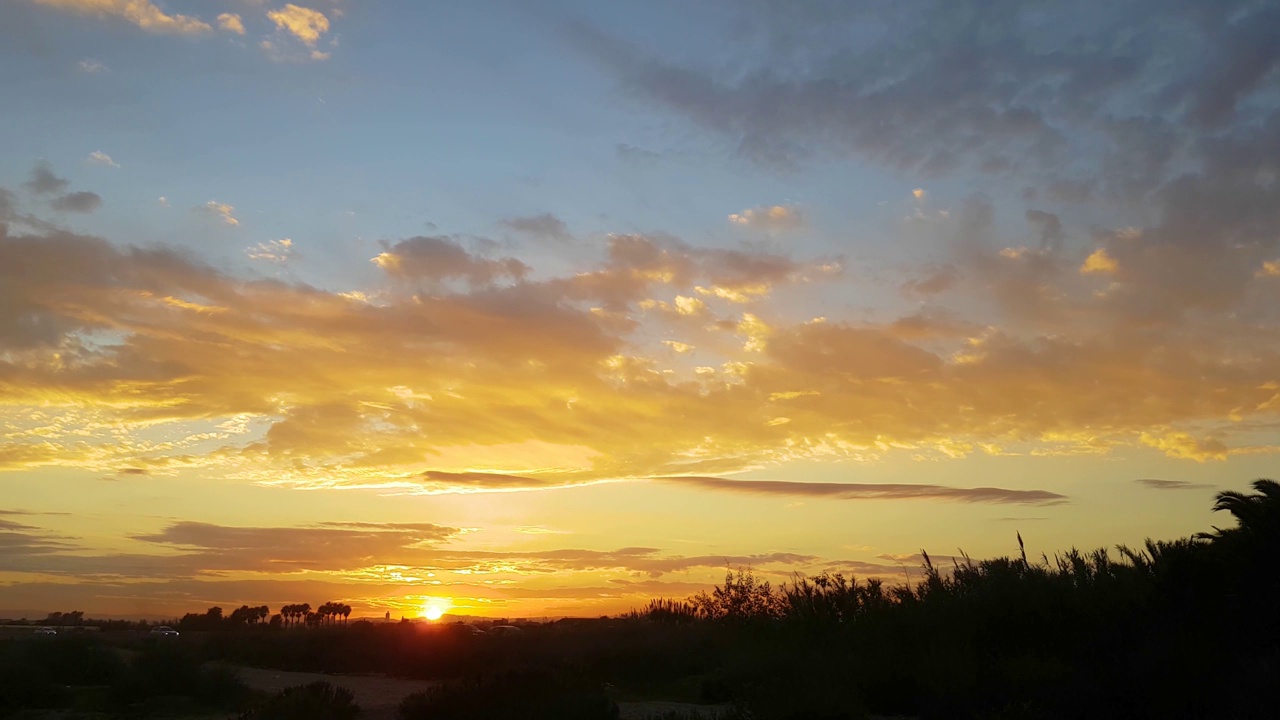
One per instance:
(97,157)
(774,218)
(992,83)
(468,480)
(231,23)
(20,539)
(1156,484)
(543,227)
(441,258)
(1183,445)
(44,182)
(222,211)
(91,66)
(633,154)
(142,13)
(80,202)
(1049,228)
(350,550)
(561,379)
(872,491)
(305,24)
(1099,262)
(276,251)
(938,280)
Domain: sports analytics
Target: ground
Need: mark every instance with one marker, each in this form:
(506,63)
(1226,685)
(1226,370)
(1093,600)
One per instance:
(379,696)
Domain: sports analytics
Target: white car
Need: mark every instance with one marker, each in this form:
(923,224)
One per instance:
(163,631)
(46,631)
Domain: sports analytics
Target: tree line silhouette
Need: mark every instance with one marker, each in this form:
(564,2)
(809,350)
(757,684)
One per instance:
(298,615)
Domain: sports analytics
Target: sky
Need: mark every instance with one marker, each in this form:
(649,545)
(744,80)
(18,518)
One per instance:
(541,309)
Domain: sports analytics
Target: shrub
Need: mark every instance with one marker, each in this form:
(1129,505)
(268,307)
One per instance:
(520,695)
(170,670)
(314,701)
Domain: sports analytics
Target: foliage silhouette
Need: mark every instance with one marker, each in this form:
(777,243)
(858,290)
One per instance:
(531,694)
(313,701)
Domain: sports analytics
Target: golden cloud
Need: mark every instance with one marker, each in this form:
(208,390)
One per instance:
(305,24)
(1099,262)
(231,22)
(561,381)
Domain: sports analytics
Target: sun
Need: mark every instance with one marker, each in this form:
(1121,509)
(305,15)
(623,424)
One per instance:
(434,609)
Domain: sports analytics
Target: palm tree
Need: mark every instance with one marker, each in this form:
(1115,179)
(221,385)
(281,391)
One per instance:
(1255,514)
(346,613)
(327,611)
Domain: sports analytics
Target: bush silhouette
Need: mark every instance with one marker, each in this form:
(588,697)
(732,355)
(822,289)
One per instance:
(314,701)
(521,695)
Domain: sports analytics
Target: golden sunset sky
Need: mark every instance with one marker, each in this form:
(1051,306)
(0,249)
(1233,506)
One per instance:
(540,309)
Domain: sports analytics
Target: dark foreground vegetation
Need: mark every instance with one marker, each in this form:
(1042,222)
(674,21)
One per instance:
(1180,629)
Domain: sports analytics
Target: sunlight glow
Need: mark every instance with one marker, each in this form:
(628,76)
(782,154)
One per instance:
(435,608)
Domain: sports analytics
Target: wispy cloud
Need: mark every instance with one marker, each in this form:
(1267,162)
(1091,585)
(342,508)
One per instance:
(142,13)
(222,211)
(1157,484)
(91,66)
(276,251)
(97,157)
(872,491)
(543,227)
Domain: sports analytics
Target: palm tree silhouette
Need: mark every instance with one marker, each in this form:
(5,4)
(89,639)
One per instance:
(1256,514)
